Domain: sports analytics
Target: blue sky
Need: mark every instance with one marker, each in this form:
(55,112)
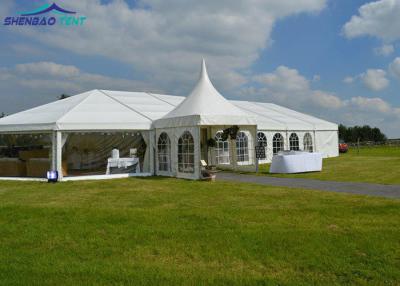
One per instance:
(314,44)
(294,53)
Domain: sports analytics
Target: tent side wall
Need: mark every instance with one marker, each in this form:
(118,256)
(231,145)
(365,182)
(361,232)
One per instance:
(327,143)
(171,172)
(148,164)
(174,134)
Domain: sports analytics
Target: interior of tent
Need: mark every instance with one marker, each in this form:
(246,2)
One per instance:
(89,153)
(82,154)
(101,133)
(25,155)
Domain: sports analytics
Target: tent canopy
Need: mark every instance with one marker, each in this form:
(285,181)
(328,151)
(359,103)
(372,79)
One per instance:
(205,106)
(119,110)
(92,110)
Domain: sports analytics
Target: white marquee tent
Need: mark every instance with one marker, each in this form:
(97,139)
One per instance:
(175,129)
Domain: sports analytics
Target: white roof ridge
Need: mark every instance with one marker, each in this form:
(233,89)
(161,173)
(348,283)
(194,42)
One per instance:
(294,111)
(74,106)
(125,105)
(301,113)
(260,114)
(156,97)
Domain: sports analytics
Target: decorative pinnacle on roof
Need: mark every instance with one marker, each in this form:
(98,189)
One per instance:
(205,100)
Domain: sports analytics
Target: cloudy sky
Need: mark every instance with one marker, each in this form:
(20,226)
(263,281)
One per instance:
(336,59)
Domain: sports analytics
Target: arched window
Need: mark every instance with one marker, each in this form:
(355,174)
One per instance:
(242,147)
(262,141)
(294,142)
(222,149)
(307,141)
(164,152)
(186,153)
(277,143)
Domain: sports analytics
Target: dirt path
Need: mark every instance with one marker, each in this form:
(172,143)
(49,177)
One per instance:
(389,191)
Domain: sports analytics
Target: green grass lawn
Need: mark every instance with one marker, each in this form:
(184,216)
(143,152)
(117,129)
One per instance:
(175,232)
(380,165)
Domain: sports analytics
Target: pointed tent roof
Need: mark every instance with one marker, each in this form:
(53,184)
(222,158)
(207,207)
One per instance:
(205,106)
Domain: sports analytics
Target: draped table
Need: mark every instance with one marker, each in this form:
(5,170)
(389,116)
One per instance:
(122,163)
(287,162)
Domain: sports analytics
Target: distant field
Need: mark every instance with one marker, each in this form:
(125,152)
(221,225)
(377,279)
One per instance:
(379,165)
(159,231)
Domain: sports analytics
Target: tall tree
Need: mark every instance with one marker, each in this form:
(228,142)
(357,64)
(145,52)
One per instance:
(362,133)
(342,132)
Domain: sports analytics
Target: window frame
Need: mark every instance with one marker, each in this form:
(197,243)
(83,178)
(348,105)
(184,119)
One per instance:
(164,153)
(294,144)
(221,150)
(242,148)
(262,137)
(186,153)
(278,139)
(308,145)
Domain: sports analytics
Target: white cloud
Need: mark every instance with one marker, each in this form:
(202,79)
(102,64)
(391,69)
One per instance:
(326,100)
(375,79)
(394,67)
(372,111)
(384,50)
(375,104)
(348,79)
(165,40)
(284,79)
(53,76)
(290,88)
(378,19)
(47,69)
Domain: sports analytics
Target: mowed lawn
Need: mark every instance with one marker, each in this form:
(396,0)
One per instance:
(380,165)
(160,231)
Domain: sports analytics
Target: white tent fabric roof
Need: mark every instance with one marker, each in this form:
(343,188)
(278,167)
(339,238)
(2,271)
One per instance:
(121,110)
(270,116)
(93,110)
(205,106)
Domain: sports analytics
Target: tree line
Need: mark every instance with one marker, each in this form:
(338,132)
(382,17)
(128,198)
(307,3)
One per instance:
(361,133)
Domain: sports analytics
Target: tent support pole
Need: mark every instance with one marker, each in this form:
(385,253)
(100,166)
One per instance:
(53,151)
(56,162)
(152,140)
(232,146)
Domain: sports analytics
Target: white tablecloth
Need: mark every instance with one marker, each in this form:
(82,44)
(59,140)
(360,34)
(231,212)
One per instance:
(296,162)
(122,163)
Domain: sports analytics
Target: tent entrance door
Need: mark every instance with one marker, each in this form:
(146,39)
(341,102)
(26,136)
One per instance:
(203,144)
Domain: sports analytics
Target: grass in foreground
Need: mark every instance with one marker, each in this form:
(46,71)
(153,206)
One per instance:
(379,165)
(173,232)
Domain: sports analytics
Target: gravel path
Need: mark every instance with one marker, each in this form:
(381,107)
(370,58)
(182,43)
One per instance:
(389,191)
